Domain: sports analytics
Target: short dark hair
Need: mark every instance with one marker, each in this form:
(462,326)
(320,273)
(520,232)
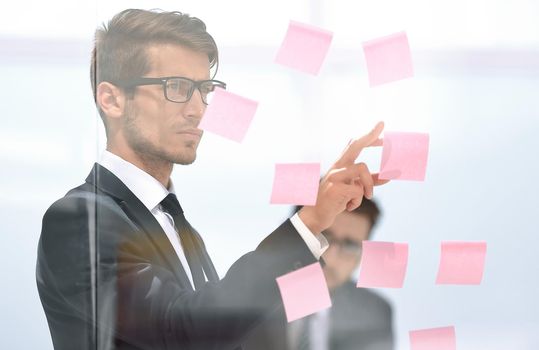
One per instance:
(120,48)
(368,207)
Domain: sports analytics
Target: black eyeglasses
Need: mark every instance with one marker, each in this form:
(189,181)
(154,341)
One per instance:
(346,245)
(178,89)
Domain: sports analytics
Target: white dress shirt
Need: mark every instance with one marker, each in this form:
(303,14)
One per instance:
(151,192)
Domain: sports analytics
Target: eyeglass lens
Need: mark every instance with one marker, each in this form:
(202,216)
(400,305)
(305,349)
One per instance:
(181,90)
(345,245)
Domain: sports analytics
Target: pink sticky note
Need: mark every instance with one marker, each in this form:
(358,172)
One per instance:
(296,184)
(442,338)
(304,292)
(383,264)
(228,115)
(462,263)
(388,59)
(304,48)
(404,156)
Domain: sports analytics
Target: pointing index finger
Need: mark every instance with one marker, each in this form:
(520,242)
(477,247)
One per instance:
(355,147)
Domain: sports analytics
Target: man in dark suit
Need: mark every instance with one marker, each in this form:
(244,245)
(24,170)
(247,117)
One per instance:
(119,266)
(359,319)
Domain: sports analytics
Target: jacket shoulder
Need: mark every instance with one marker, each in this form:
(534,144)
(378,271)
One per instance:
(85,203)
(70,222)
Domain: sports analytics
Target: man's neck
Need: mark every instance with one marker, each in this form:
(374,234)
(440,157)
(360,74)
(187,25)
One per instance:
(157,168)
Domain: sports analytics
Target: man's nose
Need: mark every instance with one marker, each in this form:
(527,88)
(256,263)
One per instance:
(195,107)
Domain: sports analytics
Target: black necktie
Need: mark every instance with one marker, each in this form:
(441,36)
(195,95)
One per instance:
(171,205)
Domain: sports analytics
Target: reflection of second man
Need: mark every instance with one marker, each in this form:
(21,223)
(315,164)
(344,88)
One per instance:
(359,319)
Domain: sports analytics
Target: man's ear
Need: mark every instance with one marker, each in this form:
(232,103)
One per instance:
(111,100)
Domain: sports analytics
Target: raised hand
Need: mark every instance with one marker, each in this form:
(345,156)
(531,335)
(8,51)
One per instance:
(344,185)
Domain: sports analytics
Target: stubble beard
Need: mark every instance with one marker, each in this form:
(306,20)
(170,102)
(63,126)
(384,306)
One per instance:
(150,152)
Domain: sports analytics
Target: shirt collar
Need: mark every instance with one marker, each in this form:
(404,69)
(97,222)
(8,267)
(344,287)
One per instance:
(144,186)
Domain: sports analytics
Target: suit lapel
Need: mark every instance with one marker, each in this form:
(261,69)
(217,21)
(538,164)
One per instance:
(107,182)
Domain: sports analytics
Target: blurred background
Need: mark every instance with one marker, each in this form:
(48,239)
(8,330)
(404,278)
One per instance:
(475,91)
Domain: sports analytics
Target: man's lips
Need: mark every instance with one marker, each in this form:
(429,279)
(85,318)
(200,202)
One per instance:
(194,132)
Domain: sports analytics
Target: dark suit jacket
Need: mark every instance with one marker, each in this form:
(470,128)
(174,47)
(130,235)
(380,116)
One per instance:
(108,277)
(359,320)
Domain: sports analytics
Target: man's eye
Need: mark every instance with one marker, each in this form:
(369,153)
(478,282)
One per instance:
(174,85)
(179,88)
(350,243)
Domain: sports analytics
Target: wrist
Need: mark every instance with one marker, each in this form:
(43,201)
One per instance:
(309,218)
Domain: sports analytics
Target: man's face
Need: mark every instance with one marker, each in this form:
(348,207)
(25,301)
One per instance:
(161,130)
(347,232)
